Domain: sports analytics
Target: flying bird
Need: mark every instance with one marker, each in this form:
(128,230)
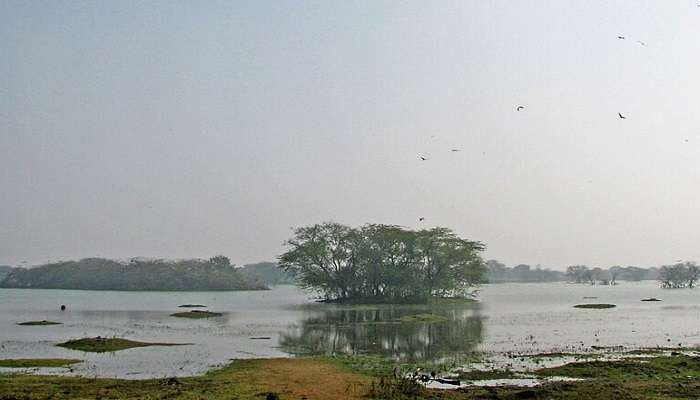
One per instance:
(454,150)
(642,43)
(421,219)
(423,158)
(621,37)
(519,108)
(621,116)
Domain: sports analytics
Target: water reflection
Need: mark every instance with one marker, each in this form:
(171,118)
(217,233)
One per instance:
(379,331)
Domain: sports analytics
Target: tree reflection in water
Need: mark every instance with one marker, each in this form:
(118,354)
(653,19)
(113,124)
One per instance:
(378,331)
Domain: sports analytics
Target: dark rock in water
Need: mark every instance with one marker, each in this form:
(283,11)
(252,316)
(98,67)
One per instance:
(454,382)
(651,299)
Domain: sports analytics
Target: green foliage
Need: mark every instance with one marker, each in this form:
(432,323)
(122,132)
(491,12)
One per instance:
(267,273)
(681,275)
(383,262)
(138,274)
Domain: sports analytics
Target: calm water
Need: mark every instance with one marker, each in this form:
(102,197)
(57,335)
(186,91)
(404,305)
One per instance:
(526,318)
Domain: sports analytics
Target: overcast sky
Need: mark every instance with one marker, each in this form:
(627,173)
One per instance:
(188,129)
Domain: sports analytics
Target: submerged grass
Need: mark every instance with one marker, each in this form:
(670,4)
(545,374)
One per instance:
(38,323)
(37,362)
(423,318)
(101,345)
(196,314)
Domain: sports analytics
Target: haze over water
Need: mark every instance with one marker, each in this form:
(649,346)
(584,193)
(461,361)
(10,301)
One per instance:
(177,130)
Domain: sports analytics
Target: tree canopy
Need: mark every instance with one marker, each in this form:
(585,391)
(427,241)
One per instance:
(137,274)
(383,262)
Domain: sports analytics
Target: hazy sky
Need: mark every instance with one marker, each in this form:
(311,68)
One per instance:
(188,129)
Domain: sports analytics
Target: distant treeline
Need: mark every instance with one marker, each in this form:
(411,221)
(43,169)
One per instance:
(4,271)
(267,273)
(217,273)
(499,273)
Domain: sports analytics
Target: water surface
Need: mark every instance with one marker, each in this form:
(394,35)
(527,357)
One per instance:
(284,322)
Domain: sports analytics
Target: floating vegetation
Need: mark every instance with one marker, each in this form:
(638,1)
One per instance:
(192,306)
(37,362)
(39,323)
(195,314)
(101,345)
(423,318)
(595,306)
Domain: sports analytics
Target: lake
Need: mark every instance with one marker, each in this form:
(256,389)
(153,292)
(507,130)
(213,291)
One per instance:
(284,322)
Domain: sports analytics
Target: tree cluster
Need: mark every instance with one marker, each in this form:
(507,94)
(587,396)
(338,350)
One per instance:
(499,273)
(680,275)
(216,273)
(382,262)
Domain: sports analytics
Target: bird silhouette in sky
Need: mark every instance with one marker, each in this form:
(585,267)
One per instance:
(621,116)
(454,150)
(423,158)
(421,219)
(621,37)
(642,43)
(519,108)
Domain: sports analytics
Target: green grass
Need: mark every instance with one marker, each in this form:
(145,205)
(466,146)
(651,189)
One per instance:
(430,318)
(362,377)
(196,314)
(37,362)
(38,323)
(595,306)
(101,345)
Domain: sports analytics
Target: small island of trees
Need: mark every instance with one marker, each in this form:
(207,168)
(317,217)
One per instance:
(383,263)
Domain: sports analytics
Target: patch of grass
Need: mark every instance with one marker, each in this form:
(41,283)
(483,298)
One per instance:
(38,323)
(101,345)
(595,306)
(37,362)
(425,318)
(192,306)
(195,314)
(295,378)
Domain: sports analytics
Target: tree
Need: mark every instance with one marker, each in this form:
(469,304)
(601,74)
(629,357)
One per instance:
(382,262)
(680,275)
(578,274)
(221,261)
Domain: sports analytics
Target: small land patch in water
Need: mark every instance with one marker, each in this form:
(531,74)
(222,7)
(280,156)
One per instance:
(595,306)
(38,323)
(101,345)
(196,314)
(37,362)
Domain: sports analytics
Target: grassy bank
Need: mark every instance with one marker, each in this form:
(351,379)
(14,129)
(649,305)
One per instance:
(660,377)
(37,362)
